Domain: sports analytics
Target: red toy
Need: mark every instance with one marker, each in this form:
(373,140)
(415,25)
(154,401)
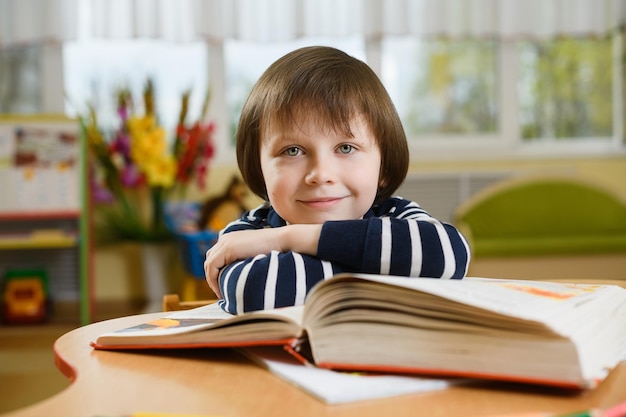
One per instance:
(24,300)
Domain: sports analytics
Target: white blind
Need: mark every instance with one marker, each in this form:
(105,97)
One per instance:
(27,21)
(275,20)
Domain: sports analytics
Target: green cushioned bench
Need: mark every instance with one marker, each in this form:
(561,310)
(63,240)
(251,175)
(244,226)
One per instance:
(543,216)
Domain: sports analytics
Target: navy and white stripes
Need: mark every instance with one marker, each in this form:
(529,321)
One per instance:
(396,237)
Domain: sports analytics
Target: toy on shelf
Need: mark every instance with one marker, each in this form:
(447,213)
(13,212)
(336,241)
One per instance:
(217,212)
(25,297)
(181,219)
(196,226)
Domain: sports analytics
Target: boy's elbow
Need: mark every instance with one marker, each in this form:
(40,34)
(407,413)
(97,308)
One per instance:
(243,305)
(463,257)
(461,252)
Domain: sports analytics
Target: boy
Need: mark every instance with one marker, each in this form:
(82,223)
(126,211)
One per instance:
(320,140)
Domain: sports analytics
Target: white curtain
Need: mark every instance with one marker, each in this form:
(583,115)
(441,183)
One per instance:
(24,21)
(502,18)
(269,20)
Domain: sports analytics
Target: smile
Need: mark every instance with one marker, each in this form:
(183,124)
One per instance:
(321,203)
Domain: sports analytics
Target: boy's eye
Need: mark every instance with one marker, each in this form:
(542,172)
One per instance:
(346,148)
(293,151)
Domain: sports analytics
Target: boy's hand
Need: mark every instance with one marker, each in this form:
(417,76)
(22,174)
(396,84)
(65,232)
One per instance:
(234,246)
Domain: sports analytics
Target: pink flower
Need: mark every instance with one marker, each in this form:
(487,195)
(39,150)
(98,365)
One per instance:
(131,177)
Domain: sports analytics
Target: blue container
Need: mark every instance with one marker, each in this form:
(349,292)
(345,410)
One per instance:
(192,246)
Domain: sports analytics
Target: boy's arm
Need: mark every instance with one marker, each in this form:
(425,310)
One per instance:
(278,278)
(392,246)
(398,238)
(404,241)
(245,244)
(272,280)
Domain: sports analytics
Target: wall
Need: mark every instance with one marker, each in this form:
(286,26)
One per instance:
(118,271)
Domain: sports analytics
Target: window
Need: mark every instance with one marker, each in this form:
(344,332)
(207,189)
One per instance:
(95,69)
(455,97)
(246,61)
(20,83)
(566,89)
(442,86)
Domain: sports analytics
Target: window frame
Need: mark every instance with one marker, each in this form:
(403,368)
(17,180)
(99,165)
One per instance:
(506,142)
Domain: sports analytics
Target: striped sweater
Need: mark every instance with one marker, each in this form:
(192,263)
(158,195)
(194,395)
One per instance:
(396,237)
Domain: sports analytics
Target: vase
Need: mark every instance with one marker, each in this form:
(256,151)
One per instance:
(155,262)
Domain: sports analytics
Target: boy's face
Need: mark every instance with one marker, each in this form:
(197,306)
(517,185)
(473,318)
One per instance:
(314,175)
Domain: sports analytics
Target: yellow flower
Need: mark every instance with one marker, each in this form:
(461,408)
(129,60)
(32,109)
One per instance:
(148,144)
(160,171)
(93,136)
(138,125)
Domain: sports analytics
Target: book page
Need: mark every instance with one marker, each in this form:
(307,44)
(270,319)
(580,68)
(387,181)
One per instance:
(334,387)
(208,325)
(214,312)
(539,301)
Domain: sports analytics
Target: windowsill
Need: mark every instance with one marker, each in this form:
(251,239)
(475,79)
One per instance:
(488,150)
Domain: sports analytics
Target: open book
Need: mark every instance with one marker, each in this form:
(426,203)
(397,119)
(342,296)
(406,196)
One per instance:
(559,334)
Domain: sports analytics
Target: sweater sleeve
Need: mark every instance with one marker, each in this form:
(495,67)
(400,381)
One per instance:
(273,280)
(399,239)
(395,247)
(405,241)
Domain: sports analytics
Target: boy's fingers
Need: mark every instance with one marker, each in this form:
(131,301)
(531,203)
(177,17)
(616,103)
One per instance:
(212,274)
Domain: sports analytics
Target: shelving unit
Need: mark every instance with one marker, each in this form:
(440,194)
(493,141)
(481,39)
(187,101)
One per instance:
(44,210)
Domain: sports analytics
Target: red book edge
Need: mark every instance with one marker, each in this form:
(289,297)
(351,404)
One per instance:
(280,342)
(569,385)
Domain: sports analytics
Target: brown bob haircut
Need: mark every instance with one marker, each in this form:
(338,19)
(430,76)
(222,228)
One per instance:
(332,87)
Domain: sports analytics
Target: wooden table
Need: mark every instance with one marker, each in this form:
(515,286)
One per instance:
(224,383)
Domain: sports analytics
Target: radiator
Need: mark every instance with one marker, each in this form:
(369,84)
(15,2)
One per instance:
(441,193)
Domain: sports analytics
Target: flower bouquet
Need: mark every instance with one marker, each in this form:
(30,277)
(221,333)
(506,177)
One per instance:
(135,171)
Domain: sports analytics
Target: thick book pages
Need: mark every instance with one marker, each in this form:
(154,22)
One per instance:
(528,331)
(208,326)
(568,335)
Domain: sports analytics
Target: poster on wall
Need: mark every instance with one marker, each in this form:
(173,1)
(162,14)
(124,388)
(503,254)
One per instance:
(39,165)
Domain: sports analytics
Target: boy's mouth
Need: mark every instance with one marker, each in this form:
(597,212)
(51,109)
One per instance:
(321,203)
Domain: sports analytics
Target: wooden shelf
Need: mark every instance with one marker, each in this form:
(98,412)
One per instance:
(39,240)
(40,214)
(45,212)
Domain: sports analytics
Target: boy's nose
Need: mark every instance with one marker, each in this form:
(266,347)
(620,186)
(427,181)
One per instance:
(320,172)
